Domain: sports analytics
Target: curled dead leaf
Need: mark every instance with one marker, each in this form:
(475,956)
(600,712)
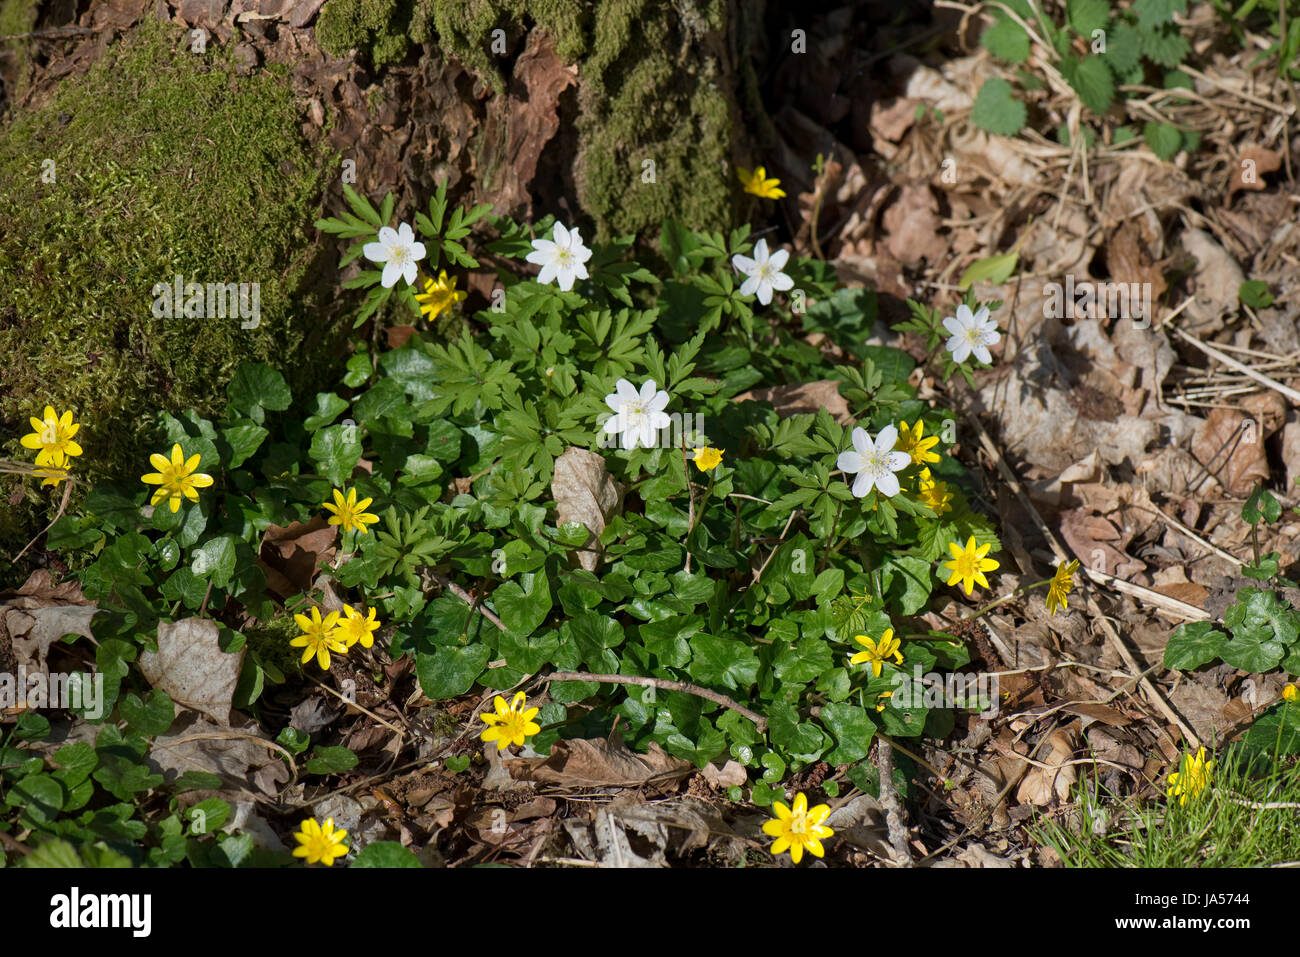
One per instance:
(585,492)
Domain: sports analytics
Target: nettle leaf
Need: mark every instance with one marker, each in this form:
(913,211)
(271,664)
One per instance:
(1154,13)
(1164,140)
(1087,15)
(1166,46)
(1193,644)
(996,110)
(1006,40)
(1093,81)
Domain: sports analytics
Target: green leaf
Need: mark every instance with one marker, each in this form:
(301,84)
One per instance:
(336,450)
(996,110)
(1155,13)
(995,269)
(1254,293)
(723,662)
(244,439)
(449,672)
(1164,140)
(1006,40)
(1087,15)
(256,386)
(1123,48)
(1261,504)
(331,760)
(385,854)
(803,661)
(215,560)
(1166,46)
(906,581)
(40,796)
(853,731)
(523,605)
(328,406)
(150,717)
(52,853)
(1093,81)
(1194,644)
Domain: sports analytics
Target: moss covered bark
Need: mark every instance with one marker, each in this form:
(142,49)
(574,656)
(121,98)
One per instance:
(658,116)
(158,162)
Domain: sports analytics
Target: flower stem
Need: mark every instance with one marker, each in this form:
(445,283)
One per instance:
(1006,598)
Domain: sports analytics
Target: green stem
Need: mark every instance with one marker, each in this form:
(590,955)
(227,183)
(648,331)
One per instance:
(1006,598)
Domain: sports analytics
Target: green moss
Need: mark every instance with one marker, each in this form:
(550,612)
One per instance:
(270,643)
(653,88)
(165,163)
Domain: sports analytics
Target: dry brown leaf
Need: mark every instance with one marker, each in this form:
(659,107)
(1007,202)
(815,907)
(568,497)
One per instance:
(193,743)
(39,613)
(292,555)
(598,762)
(1047,785)
(731,774)
(585,492)
(803,399)
(1251,166)
(1218,277)
(191,667)
(1098,544)
(1231,452)
(914,227)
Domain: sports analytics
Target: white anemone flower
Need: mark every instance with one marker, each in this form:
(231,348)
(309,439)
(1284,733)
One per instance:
(971,333)
(562,257)
(874,462)
(638,416)
(399,251)
(764,272)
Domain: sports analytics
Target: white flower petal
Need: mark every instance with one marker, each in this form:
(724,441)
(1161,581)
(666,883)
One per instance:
(778,259)
(388,235)
(659,420)
(405,234)
(981,316)
(764,291)
(782,282)
(392,272)
(417,251)
(548,273)
(960,349)
(897,461)
(887,484)
(626,391)
(760,251)
(862,441)
(887,438)
(560,235)
(953,326)
(748,286)
(743,264)
(410,272)
(659,402)
(983,355)
(648,389)
(613,423)
(863,484)
(375,252)
(849,461)
(566,279)
(964,315)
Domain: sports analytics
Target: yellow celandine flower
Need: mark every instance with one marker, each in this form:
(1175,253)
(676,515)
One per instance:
(52,438)
(707,459)
(320,843)
(350,513)
(758,184)
(1289,693)
(439,295)
(1058,590)
(1194,776)
(878,652)
(798,829)
(51,476)
(355,627)
(968,564)
(913,440)
(880,699)
(318,637)
(176,478)
(933,493)
(510,725)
